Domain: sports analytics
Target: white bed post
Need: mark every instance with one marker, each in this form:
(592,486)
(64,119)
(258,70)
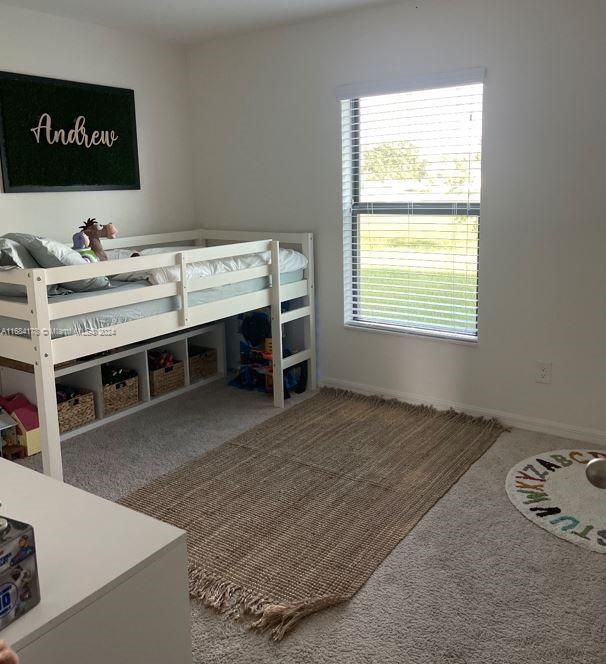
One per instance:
(44,372)
(183,290)
(310,321)
(276,326)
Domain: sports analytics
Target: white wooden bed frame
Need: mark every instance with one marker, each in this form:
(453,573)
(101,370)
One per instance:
(44,353)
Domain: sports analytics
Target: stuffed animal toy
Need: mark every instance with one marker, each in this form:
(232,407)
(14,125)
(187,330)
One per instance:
(95,232)
(81,244)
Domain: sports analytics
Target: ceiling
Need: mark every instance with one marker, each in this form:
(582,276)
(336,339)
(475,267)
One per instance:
(189,21)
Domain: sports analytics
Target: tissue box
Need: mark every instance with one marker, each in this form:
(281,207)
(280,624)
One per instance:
(19,589)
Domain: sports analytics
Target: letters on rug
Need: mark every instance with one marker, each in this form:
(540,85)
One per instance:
(551,490)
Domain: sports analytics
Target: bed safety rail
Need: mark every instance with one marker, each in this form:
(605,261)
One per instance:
(103,300)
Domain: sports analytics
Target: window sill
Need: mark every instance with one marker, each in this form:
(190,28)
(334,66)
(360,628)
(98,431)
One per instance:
(431,335)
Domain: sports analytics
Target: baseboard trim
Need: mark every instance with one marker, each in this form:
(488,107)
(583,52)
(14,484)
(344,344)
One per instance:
(594,436)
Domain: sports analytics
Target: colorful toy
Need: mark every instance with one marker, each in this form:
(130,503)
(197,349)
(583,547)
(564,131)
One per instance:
(19,590)
(160,359)
(81,243)
(25,415)
(65,393)
(111,374)
(8,432)
(256,360)
(95,232)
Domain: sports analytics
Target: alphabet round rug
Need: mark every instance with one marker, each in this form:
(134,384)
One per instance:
(552,490)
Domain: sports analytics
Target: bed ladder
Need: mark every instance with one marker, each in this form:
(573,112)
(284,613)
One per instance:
(306,311)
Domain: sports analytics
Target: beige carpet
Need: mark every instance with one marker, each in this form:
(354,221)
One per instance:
(474,582)
(295,515)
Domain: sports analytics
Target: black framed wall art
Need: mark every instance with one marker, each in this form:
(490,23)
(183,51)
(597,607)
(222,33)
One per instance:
(60,135)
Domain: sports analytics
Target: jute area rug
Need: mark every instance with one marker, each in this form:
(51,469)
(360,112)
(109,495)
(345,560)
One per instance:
(552,490)
(296,514)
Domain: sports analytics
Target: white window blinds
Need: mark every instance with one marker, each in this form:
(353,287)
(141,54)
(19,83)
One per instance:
(411,204)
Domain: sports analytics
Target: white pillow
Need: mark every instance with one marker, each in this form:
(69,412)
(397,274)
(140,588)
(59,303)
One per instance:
(50,253)
(290,260)
(117,254)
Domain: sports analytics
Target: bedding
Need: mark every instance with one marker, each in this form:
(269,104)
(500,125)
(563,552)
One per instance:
(141,275)
(289,260)
(13,255)
(50,253)
(94,323)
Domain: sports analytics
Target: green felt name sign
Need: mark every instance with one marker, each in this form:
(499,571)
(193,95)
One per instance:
(60,135)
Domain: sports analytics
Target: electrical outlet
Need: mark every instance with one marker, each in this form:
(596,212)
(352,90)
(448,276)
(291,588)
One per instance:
(543,372)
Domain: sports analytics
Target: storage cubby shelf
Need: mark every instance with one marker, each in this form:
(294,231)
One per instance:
(87,374)
(141,406)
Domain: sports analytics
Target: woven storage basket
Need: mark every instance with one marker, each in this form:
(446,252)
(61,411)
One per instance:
(166,379)
(121,395)
(76,412)
(202,362)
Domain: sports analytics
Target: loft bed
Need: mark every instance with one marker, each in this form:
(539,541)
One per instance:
(160,309)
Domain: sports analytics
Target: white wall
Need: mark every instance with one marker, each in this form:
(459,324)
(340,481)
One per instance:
(268,157)
(34,43)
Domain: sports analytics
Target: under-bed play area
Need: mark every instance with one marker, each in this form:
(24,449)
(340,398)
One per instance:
(110,337)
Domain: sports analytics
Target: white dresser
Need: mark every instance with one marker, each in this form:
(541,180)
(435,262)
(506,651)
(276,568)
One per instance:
(113,582)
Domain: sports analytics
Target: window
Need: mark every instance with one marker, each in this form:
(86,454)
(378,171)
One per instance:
(411,204)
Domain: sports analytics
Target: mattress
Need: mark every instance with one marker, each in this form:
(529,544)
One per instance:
(86,324)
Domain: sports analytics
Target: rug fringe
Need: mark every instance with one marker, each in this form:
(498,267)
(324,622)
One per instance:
(413,408)
(260,613)
(281,619)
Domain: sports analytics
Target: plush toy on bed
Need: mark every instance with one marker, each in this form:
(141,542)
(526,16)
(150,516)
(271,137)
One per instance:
(94,232)
(81,244)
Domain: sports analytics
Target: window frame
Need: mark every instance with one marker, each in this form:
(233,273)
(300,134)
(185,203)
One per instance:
(356,208)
